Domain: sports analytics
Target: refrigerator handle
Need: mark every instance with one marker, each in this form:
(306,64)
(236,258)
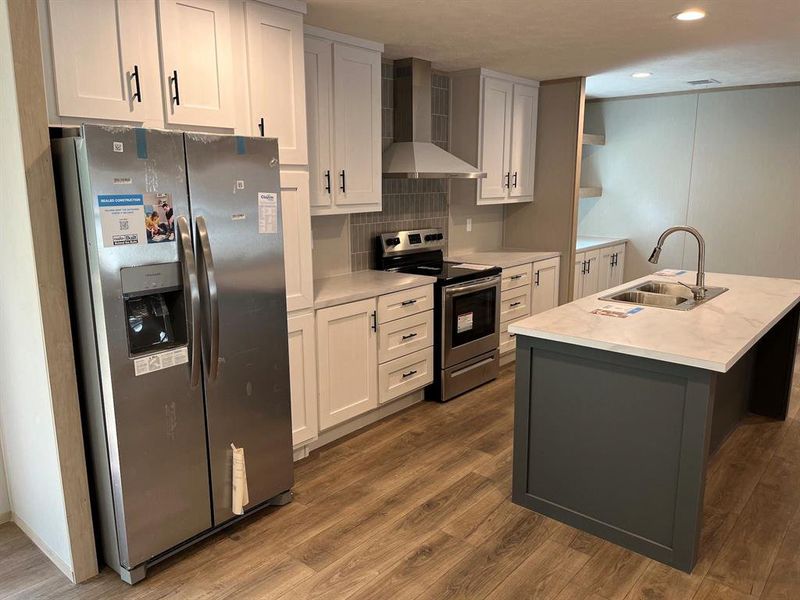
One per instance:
(191,292)
(212,359)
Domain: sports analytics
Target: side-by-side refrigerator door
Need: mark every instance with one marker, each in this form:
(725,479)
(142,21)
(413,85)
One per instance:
(146,304)
(234,190)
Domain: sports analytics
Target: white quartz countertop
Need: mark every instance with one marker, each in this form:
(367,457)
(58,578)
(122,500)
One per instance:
(503,258)
(712,336)
(590,242)
(330,291)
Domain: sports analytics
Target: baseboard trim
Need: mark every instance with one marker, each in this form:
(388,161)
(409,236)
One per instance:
(5,517)
(48,552)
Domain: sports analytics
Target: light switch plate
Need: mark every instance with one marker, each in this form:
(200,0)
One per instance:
(469,224)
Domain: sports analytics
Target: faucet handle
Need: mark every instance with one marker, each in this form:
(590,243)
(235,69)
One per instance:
(698,292)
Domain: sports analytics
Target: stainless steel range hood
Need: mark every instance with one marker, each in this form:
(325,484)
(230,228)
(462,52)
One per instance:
(412,155)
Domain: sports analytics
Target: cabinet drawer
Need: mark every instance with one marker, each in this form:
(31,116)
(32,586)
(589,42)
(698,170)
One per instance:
(508,341)
(405,303)
(515,304)
(516,277)
(403,375)
(403,336)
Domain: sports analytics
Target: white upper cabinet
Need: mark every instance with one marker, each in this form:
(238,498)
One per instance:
(277,86)
(197,77)
(523,140)
(105,59)
(297,240)
(494,125)
(343,99)
(496,135)
(319,112)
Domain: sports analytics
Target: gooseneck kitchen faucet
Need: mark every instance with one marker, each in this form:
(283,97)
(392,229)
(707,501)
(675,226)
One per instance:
(699,289)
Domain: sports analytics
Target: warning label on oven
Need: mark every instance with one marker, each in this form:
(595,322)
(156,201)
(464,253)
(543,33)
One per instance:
(463,322)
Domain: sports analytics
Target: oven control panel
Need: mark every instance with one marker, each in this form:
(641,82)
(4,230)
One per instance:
(397,242)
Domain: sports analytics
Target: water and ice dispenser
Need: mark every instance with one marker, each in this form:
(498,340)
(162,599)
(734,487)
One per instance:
(154,307)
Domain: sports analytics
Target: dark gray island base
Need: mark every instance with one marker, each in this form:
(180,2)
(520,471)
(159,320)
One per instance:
(617,445)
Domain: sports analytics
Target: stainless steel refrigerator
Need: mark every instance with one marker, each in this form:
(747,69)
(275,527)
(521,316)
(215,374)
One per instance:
(174,252)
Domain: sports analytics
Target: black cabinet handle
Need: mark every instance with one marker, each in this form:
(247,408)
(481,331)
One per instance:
(408,302)
(588,266)
(583,268)
(513,304)
(508,179)
(512,335)
(409,374)
(343,187)
(374,317)
(536,278)
(176,99)
(409,336)
(515,179)
(135,77)
(261,126)
(516,277)
(328,181)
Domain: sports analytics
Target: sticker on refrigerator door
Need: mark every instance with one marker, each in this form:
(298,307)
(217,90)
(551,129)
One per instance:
(267,212)
(160,361)
(159,218)
(464,322)
(122,219)
(117,147)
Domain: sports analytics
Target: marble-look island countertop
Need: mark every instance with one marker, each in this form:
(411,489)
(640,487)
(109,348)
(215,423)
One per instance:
(712,336)
(590,242)
(503,258)
(350,287)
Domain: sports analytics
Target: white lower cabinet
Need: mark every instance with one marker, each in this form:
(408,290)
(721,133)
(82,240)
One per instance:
(526,290)
(347,361)
(403,375)
(587,276)
(544,295)
(403,336)
(303,378)
(598,270)
(296,217)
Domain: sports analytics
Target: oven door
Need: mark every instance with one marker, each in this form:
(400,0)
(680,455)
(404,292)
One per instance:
(470,320)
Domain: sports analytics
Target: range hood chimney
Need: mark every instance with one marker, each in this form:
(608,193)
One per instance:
(413,155)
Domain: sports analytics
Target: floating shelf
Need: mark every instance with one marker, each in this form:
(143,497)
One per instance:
(594,139)
(591,192)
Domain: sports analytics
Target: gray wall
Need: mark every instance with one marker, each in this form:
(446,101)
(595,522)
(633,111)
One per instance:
(726,162)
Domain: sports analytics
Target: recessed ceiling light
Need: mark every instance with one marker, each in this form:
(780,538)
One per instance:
(641,75)
(693,14)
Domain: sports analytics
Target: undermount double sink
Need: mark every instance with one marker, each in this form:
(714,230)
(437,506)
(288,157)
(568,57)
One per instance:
(663,294)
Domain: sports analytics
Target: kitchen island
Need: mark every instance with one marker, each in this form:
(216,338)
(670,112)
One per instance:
(615,417)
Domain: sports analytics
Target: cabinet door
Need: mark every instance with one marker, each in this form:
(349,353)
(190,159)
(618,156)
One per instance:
(277,84)
(618,272)
(591,280)
(297,240)
(197,79)
(105,60)
(319,115)
(577,291)
(523,140)
(495,139)
(347,353)
(357,128)
(303,378)
(545,285)
(605,268)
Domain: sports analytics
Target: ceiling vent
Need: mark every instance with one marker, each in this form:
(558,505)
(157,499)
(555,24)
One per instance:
(703,82)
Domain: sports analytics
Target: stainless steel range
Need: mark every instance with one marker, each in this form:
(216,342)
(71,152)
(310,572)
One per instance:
(466,309)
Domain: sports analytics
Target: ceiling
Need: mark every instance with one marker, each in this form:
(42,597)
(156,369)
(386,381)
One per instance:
(740,42)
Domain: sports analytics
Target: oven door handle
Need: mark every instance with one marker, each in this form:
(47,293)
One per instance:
(485,361)
(481,284)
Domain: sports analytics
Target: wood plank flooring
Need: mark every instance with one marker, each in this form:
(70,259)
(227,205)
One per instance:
(417,507)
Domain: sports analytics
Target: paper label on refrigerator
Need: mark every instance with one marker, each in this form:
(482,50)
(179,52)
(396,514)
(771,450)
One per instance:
(463,322)
(267,212)
(162,360)
(131,219)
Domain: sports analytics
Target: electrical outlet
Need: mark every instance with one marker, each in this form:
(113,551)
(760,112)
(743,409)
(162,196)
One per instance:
(469,224)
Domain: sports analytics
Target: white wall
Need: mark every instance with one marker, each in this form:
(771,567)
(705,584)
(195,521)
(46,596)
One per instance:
(26,416)
(727,163)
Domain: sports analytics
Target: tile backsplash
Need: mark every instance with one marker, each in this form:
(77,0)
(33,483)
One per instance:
(407,203)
